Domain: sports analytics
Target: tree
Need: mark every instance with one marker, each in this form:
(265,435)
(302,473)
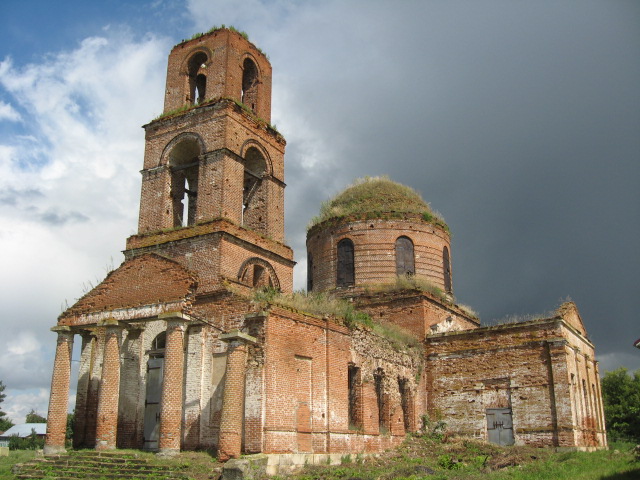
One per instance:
(621,396)
(5,423)
(34,417)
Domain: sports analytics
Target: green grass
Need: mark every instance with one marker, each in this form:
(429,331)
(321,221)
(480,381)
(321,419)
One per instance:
(377,197)
(429,459)
(15,456)
(423,458)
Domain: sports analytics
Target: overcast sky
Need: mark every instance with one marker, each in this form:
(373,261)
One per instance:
(519,121)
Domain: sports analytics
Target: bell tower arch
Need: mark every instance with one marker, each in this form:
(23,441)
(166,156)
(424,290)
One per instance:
(213,173)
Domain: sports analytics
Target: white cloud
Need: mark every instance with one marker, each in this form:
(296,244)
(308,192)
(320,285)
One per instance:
(19,404)
(7,112)
(68,189)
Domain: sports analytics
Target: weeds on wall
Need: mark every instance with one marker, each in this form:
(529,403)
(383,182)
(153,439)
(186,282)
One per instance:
(407,282)
(319,304)
(323,304)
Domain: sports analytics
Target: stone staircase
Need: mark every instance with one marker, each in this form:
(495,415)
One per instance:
(97,465)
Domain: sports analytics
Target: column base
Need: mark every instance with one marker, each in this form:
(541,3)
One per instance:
(54,450)
(101,445)
(168,452)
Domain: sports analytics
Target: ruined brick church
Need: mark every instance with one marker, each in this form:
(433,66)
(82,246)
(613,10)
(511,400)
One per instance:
(175,355)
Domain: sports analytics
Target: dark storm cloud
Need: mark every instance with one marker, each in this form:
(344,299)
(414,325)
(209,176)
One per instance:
(519,122)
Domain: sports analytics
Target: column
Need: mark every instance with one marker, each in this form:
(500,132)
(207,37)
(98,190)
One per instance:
(82,392)
(59,399)
(230,442)
(108,396)
(172,385)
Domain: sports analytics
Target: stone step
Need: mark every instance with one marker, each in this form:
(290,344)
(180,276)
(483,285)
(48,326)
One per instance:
(105,466)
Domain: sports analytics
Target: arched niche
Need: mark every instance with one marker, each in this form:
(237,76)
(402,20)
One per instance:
(256,272)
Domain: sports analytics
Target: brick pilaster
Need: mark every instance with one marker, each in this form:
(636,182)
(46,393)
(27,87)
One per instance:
(59,399)
(230,442)
(172,385)
(107,418)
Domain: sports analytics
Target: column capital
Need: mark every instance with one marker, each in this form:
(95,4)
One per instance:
(110,323)
(61,329)
(238,336)
(175,316)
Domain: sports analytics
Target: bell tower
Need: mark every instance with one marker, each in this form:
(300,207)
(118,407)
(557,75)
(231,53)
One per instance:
(213,176)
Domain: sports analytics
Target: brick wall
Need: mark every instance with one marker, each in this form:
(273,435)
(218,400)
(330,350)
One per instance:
(225,51)
(374,243)
(531,368)
(416,312)
(222,133)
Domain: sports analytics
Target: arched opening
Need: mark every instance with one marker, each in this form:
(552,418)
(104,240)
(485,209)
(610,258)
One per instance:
(258,273)
(446,267)
(254,195)
(197,77)
(184,167)
(155,371)
(346,274)
(249,94)
(405,259)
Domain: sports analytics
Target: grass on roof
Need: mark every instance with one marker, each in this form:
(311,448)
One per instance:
(372,197)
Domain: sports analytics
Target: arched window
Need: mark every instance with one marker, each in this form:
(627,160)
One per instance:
(446,267)
(197,77)
(249,94)
(405,260)
(184,167)
(158,345)
(254,196)
(346,266)
(309,272)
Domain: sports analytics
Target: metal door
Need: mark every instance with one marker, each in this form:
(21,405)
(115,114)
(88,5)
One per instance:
(155,368)
(500,426)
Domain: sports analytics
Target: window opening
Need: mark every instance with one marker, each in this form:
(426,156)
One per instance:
(249,94)
(201,88)
(197,77)
(346,264)
(309,272)
(405,259)
(184,167)
(258,273)
(355,414)
(446,266)
(158,345)
(253,196)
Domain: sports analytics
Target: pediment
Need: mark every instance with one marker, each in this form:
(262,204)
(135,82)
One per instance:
(569,313)
(146,280)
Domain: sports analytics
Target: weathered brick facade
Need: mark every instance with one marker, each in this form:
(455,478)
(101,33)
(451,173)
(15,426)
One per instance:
(175,354)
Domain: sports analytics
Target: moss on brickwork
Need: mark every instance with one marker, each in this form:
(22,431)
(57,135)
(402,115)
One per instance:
(377,197)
